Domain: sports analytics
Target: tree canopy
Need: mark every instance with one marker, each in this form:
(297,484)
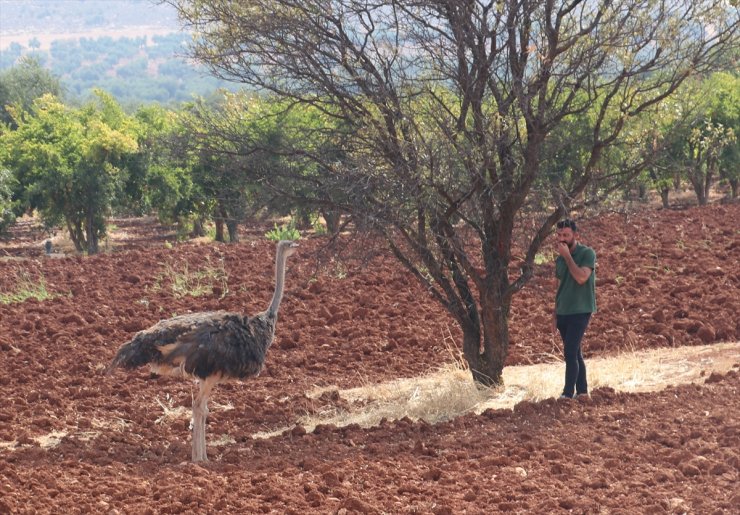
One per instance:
(24,83)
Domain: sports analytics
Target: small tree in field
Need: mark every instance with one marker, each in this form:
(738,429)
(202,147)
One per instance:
(704,150)
(449,109)
(696,136)
(725,110)
(67,162)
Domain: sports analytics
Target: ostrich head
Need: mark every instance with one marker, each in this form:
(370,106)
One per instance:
(286,248)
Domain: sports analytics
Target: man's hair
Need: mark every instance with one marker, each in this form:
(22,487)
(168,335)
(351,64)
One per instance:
(562,224)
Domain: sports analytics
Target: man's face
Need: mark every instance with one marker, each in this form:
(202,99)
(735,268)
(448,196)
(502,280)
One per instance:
(567,236)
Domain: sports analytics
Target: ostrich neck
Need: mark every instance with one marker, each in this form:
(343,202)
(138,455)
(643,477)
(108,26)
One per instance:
(279,283)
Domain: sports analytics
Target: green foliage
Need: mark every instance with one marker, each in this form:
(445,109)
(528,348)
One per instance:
(695,135)
(542,258)
(284,232)
(153,179)
(24,83)
(724,107)
(226,142)
(67,162)
(318,227)
(26,288)
(7,215)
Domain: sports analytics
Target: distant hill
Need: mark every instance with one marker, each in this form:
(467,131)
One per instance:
(60,16)
(132,48)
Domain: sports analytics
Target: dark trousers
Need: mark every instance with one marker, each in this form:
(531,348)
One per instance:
(571,329)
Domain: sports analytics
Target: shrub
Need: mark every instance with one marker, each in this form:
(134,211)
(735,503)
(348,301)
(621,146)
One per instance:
(284,232)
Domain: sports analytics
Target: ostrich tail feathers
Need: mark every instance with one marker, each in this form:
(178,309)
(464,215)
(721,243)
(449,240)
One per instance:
(111,367)
(133,355)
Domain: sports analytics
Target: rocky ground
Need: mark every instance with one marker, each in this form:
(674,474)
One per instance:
(73,439)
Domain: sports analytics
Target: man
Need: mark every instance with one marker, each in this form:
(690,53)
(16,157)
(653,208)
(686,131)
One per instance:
(575,301)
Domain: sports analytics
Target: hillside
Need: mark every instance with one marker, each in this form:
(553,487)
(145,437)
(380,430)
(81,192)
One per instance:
(132,48)
(74,16)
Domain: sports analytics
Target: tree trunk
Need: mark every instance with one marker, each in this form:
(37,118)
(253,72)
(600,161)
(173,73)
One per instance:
(220,230)
(709,180)
(677,181)
(664,197)
(487,358)
(333,220)
(473,355)
(198,229)
(733,187)
(75,234)
(92,236)
(697,182)
(486,339)
(233,227)
(220,218)
(701,195)
(642,191)
(304,219)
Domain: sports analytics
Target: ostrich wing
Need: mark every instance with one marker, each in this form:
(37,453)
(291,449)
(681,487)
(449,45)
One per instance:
(202,345)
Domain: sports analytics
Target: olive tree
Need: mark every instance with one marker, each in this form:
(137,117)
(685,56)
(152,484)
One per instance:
(448,109)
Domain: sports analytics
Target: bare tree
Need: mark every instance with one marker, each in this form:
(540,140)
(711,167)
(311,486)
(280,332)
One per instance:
(451,108)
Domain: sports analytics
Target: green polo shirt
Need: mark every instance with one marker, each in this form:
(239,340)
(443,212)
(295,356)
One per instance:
(573,298)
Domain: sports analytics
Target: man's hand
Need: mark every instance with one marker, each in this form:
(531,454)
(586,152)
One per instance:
(563,249)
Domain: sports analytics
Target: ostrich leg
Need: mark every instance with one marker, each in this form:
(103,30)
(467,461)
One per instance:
(200,413)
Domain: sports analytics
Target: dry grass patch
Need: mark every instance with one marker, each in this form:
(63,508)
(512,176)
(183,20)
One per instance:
(450,392)
(653,370)
(50,440)
(221,441)
(435,397)
(170,412)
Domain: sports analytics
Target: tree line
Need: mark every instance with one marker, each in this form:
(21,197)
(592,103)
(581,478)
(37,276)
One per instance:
(460,132)
(76,166)
(209,160)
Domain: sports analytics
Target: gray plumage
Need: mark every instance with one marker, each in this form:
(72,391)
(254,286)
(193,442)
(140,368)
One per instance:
(201,345)
(211,347)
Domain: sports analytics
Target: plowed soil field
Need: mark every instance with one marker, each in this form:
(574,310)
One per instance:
(73,440)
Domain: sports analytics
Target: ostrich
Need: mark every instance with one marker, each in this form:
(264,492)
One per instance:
(211,347)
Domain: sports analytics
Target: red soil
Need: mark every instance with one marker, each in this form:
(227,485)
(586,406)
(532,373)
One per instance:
(665,278)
